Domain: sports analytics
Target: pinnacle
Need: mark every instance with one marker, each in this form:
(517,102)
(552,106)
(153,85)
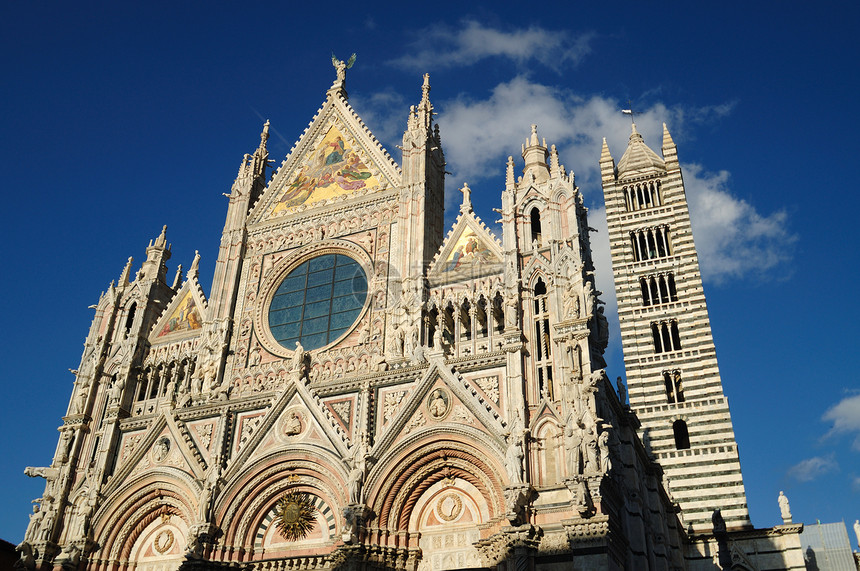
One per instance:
(667,138)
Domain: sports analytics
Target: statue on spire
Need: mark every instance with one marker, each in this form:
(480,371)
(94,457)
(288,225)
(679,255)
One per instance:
(341,66)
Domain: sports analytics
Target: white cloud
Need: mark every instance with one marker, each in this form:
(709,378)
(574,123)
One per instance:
(733,239)
(811,468)
(471,42)
(845,416)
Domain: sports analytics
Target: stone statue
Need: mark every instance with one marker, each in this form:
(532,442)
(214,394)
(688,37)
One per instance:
(410,340)
(33,528)
(47,526)
(571,302)
(514,458)
(210,488)
(341,66)
(592,462)
(589,298)
(354,483)
(65,447)
(622,390)
(80,401)
(784,508)
(603,447)
(512,306)
(572,448)
(298,362)
(116,390)
(857,530)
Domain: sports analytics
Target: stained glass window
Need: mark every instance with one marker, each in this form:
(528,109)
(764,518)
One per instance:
(318,301)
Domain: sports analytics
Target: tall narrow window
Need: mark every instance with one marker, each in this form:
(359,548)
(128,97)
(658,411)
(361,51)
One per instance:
(666,336)
(542,341)
(651,243)
(130,319)
(536,231)
(674,388)
(682,435)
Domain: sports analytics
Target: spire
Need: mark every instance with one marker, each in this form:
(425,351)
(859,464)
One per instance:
(535,156)
(261,155)
(126,271)
(670,150)
(162,238)
(556,169)
(422,116)
(177,280)
(466,206)
(194,272)
(157,253)
(607,163)
(509,173)
(638,157)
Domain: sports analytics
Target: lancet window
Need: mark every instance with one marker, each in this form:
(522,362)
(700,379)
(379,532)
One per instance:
(674,388)
(535,224)
(658,289)
(130,319)
(642,195)
(666,336)
(682,435)
(651,243)
(542,340)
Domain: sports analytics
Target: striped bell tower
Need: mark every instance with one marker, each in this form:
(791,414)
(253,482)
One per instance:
(669,355)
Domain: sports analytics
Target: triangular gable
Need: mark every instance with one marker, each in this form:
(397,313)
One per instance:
(184,316)
(335,157)
(141,451)
(255,429)
(470,250)
(421,398)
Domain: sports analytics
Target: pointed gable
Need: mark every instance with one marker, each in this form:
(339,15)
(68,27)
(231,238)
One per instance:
(470,250)
(184,315)
(336,157)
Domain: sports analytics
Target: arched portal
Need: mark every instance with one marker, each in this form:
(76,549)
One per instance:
(161,545)
(446,517)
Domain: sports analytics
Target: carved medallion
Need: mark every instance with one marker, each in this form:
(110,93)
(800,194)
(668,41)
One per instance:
(293,424)
(449,507)
(163,541)
(161,449)
(438,404)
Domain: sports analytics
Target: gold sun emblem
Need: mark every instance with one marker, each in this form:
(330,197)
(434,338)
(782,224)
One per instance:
(295,515)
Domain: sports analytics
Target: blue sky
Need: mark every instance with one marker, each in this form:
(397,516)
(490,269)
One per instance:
(118,120)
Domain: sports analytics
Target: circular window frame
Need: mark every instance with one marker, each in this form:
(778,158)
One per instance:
(294,259)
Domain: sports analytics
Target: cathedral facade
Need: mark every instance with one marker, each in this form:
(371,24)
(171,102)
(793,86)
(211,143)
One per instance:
(363,390)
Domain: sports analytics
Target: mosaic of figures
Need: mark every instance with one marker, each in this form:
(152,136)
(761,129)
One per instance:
(333,168)
(186,317)
(468,253)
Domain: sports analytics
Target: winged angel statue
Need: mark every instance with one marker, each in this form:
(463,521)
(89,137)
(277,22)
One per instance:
(341,66)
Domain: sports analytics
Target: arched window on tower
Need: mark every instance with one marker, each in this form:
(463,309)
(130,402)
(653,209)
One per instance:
(542,341)
(666,336)
(674,388)
(535,223)
(682,435)
(651,243)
